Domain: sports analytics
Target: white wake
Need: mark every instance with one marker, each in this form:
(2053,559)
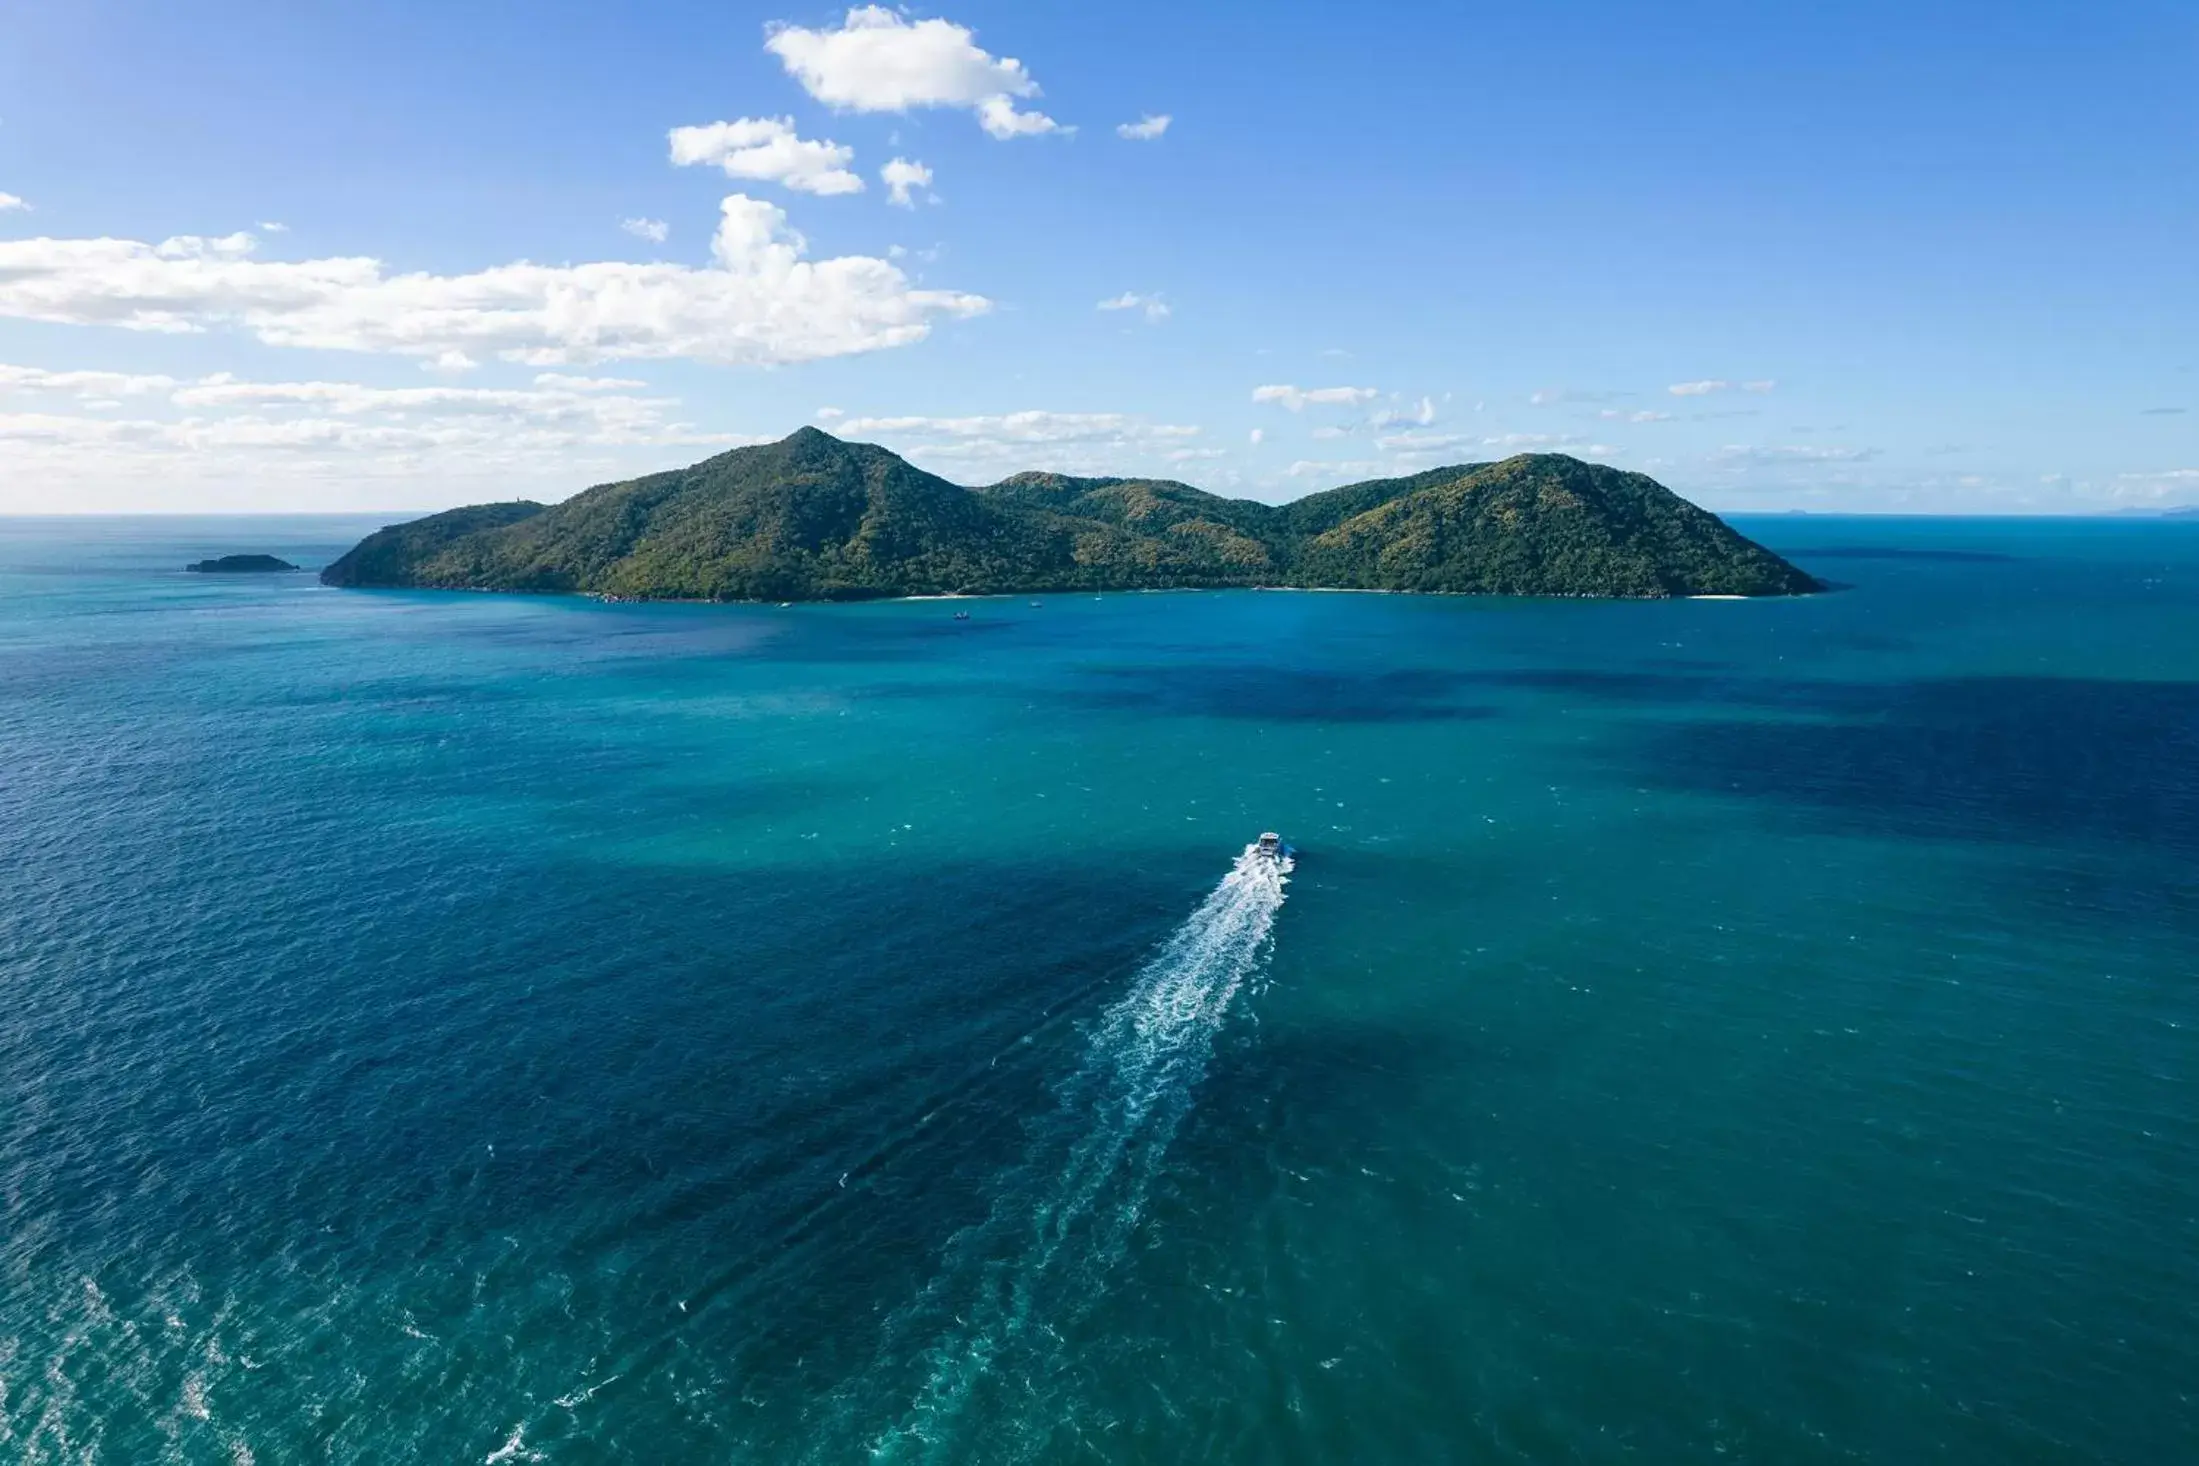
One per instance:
(1041,1258)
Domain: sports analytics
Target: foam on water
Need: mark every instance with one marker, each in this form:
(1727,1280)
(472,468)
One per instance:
(1010,1286)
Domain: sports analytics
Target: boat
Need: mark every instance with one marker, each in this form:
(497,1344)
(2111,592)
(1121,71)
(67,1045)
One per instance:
(961,615)
(1271,847)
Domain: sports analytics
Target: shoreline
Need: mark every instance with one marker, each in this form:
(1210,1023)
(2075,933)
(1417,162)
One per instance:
(610,598)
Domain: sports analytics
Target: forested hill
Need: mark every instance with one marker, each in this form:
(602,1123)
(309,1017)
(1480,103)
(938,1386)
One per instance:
(813,518)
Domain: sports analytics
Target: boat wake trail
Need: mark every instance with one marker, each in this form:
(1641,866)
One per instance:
(993,1376)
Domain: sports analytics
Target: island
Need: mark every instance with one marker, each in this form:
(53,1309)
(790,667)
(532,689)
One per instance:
(814,518)
(239,565)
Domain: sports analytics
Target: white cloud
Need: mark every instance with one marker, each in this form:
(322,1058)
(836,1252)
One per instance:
(82,385)
(275,444)
(901,177)
(767,150)
(1345,472)
(1419,442)
(1554,396)
(2161,484)
(999,117)
(879,61)
(656,231)
(1024,427)
(1736,453)
(1612,414)
(1326,434)
(588,384)
(270,226)
(1146,129)
(1258,436)
(1296,398)
(1156,309)
(1718,384)
(1419,415)
(9,201)
(760,304)
(987,446)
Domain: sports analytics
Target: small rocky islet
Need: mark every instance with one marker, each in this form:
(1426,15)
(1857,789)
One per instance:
(814,518)
(239,565)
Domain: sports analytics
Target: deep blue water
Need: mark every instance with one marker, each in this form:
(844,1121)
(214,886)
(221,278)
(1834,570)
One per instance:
(468,1029)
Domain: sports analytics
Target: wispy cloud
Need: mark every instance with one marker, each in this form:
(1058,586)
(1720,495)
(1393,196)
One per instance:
(656,231)
(1145,129)
(1420,414)
(1554,396)
(1706,387)
(1155,308)
(1297,399)
(1737,453)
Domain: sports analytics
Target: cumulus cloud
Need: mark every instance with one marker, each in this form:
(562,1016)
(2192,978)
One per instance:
(879,61)
(760,303)
(901,178)
(9,201)
(1296,399)
(1146,128)
(1257,437)
(271,226)
(1155,308)
(767,150)
(656,231)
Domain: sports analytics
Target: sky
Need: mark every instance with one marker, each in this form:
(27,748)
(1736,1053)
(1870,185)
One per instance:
(1911,257)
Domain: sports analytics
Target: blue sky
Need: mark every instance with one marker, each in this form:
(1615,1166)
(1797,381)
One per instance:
(1866,256)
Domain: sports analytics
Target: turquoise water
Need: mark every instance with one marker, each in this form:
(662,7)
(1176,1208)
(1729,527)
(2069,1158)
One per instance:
(476,1029)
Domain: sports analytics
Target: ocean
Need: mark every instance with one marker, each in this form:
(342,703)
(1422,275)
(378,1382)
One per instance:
(467,1028)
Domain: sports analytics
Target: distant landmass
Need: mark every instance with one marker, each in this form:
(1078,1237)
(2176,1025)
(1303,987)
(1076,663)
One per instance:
(813,518)
(239,565)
